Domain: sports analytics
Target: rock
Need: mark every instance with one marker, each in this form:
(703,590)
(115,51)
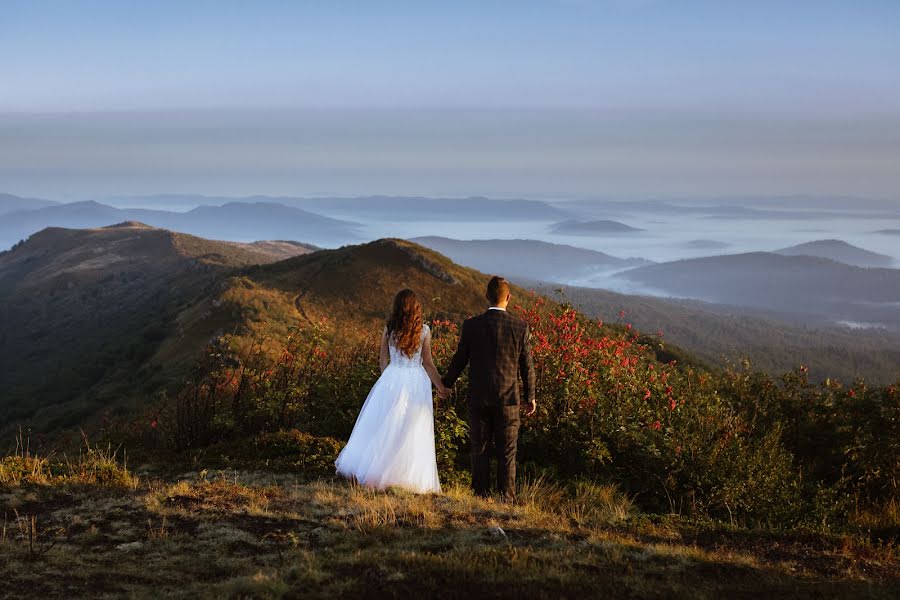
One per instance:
(128,547)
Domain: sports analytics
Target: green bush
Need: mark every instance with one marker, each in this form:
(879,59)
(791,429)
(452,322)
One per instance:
(736,445)
(300,451)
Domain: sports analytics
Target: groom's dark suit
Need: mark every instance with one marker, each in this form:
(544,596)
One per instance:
(497,346)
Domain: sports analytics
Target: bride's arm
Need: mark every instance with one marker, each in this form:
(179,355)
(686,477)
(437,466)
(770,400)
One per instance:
(385,356)
(428,363)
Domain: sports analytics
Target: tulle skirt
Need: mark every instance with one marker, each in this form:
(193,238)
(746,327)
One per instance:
(392,443)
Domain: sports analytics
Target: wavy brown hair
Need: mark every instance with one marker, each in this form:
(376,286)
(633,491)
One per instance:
(405,324)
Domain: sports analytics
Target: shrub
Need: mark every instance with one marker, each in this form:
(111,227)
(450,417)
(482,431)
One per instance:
(308,454)
(734,445)
(93,467)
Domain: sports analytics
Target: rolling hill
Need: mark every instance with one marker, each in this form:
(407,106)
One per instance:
(379,208)
(236,221)
(589,228)
(527,258)
(98,321)
(717,333)
(94,321)
(10,203)
(81,312)
(812,289)
(839,251)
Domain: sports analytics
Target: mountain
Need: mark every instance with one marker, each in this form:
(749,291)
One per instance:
(237,221)
(888,231)
(527,258)
(379,208)
(10,203)
(98,321)
(802,208)
(812,289)
(839,251)
(718,332)
(706,245)
(249,220)
(101,321)
(599,227)
(82,311)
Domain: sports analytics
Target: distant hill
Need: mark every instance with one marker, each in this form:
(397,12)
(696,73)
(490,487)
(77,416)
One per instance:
(718,332)
(811,288)
(83,311)
(237,221)
(888,231)
(839,251)
(706,245)
(434,209)
(10,203)
(589,228)
(381,208)
(527,258)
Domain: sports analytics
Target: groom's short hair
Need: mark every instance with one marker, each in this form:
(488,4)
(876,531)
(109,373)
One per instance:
(497,290)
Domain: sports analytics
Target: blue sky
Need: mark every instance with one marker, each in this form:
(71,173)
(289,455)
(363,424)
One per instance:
(820,55)
(788,77)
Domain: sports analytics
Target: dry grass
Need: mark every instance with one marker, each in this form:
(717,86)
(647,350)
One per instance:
(254,535)
(93,466)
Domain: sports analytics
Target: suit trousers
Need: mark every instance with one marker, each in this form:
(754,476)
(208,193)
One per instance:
(496,426)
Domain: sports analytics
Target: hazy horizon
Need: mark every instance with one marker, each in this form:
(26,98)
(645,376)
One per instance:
(544,153)
(548,99)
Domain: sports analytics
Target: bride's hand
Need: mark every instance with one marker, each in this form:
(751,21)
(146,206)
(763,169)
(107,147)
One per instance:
(443,392)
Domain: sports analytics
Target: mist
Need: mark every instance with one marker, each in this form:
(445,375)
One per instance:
(540,153)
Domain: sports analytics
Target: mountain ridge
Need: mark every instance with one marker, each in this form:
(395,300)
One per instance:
(231,221)
(805,286)
(840,251)
(526,258)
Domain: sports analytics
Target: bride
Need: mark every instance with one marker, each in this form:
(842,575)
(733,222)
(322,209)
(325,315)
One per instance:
(392,443)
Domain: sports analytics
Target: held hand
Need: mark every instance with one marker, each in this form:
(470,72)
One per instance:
(532,408)
(443,392)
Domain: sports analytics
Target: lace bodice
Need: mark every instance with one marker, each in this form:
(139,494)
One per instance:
(398,359)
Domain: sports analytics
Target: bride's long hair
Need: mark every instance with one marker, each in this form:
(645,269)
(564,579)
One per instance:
(405,324)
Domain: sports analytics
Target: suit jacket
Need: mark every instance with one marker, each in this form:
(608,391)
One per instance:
(497,346)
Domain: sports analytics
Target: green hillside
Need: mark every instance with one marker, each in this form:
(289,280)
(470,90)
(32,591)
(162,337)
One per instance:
(83,312)
(643,471)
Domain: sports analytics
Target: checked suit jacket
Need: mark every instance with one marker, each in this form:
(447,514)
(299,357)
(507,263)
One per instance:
(497,348)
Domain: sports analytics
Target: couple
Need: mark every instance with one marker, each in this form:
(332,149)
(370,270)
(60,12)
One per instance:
(392,443)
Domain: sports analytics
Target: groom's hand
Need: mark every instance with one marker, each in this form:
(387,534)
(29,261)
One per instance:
(532,408)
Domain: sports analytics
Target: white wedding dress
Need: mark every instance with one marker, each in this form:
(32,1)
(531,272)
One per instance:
(392,443)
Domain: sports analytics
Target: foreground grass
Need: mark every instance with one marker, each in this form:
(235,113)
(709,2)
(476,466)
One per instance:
(251,535)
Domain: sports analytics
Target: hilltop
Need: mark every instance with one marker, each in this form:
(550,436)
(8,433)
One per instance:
(10,203)
(840,251)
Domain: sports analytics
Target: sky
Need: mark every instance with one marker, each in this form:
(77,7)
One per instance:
(542,98)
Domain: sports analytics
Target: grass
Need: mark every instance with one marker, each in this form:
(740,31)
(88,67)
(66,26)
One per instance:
(248,534)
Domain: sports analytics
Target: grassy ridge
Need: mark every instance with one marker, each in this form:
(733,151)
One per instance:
(244,534)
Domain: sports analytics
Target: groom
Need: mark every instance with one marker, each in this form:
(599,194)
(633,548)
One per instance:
(497,345)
